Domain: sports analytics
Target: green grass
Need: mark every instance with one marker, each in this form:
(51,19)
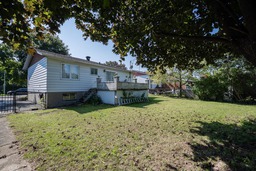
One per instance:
(164,134)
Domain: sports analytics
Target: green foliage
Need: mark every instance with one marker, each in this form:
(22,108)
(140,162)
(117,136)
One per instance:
(172,76)
(50,43)
(233,77)
(159,76)
(210,88)
(116,64)
(127,94)
(10,64)
(95,100)
(158,33)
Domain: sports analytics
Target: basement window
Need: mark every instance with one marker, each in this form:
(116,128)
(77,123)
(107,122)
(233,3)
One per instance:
(69,96)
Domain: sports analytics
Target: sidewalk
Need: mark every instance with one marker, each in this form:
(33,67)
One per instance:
(10,157)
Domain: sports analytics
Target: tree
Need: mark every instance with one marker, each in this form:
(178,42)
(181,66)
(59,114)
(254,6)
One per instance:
(51,43)
(11,66)
(172,76)
(116,64)
(211,87)
(158,33)
(234,79)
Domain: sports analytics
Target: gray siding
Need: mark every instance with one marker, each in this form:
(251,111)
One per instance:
(86,81)
(37,73)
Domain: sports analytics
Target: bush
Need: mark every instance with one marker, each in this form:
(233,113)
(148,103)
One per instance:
(210,88)
(95,100)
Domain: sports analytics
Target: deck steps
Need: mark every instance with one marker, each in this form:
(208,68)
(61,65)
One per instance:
(88,94)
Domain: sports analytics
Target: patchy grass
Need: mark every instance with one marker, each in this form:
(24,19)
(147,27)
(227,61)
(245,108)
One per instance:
(165,134)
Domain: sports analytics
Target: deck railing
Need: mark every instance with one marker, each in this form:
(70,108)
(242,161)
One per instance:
(117,85)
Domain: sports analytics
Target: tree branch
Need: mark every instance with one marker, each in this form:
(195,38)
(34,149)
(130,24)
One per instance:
(196,38)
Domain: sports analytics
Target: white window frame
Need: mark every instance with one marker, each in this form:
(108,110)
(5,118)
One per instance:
(70,73)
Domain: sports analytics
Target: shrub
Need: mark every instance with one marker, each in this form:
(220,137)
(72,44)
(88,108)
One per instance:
(95,100)
(210,88)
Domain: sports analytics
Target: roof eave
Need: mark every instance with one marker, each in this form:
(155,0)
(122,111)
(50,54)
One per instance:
(27,62)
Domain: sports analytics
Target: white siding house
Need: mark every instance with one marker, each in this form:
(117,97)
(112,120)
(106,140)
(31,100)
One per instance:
(62,79)
(37,76)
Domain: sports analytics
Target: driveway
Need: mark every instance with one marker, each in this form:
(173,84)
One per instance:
(10,155)
(6,106)
(26,106)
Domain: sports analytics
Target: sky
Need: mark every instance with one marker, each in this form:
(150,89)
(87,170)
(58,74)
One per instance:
(98,52)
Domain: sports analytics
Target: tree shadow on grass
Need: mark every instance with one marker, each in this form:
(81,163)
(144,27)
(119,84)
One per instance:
(86,108)
(233,144)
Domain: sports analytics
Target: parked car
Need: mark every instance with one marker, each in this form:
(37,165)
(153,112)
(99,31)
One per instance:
(19,91)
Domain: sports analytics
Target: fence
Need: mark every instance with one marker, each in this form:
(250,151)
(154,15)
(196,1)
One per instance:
(7,104)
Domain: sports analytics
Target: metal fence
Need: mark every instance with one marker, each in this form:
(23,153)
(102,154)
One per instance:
(7,104)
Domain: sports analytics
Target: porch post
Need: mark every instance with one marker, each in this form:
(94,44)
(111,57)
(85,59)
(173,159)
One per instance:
(98,81)
(148,82)
(116,80)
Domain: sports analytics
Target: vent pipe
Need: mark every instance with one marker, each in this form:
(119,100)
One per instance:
(88,58)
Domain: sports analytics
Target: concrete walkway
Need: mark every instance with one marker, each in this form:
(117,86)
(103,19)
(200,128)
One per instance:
(10,157)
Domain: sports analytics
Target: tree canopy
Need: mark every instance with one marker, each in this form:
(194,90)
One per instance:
(228,80)
(159,33)
(116,64)
(50,43)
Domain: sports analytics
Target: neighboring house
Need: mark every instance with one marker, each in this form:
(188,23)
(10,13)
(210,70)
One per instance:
(174,88)
(143,77)
(62,80)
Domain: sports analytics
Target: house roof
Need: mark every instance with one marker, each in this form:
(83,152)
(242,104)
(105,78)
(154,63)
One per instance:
(138,73)
(67,58)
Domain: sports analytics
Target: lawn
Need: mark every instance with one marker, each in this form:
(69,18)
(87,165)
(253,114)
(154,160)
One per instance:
(164,134)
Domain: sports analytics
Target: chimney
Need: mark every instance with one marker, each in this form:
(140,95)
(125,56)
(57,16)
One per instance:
(88,58)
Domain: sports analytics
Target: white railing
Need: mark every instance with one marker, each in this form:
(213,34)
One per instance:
(117,85)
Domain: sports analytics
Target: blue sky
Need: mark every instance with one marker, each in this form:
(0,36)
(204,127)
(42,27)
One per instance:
(80,48)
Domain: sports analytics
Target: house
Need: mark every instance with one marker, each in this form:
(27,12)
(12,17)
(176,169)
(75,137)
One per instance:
(62,80)
(143,77)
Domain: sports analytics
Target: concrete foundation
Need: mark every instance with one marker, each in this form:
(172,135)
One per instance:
(53,99)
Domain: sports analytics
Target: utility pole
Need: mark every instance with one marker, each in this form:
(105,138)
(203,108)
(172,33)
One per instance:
(4,82)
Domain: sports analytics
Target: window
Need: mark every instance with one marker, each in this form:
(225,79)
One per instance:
(69,96)
(94,71)
(65,71)
(70,71)
(110,76)
(74,71)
